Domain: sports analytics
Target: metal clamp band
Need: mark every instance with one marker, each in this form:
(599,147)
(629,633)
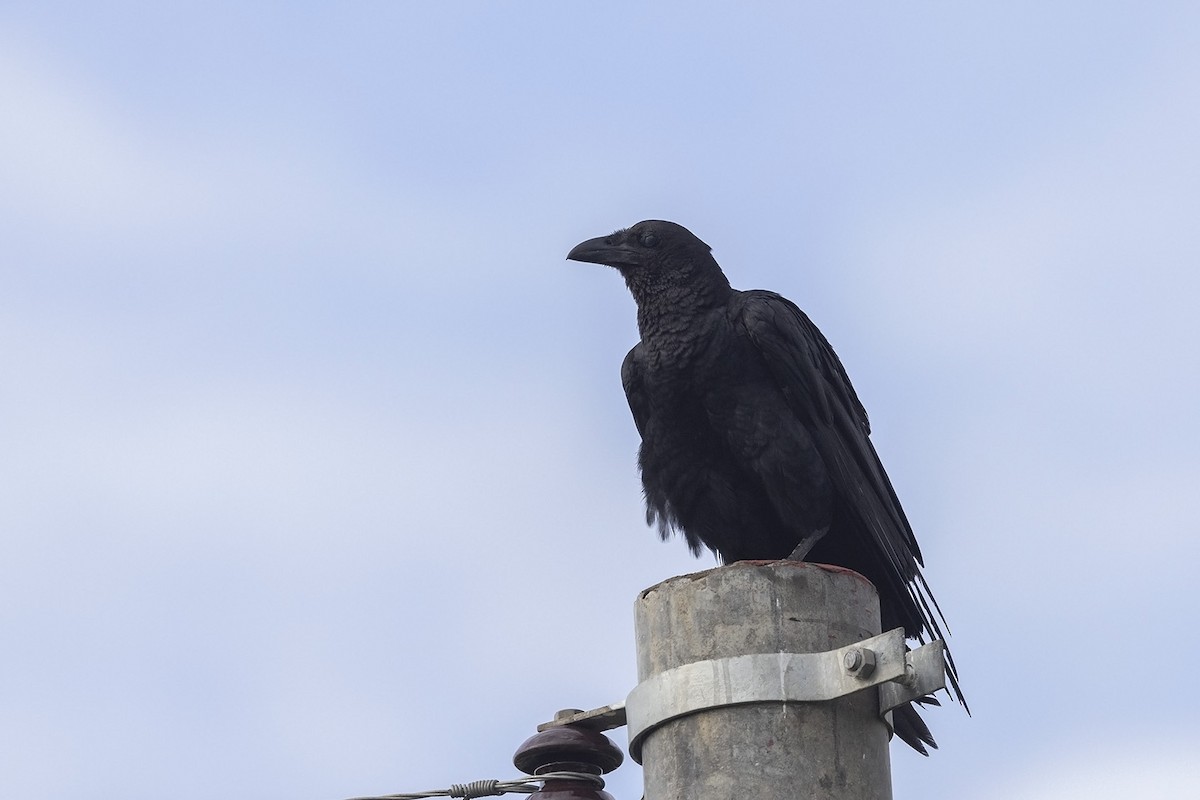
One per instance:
(762,678)
(882,661)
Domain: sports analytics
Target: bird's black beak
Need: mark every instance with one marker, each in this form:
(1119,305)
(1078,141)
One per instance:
(604,250)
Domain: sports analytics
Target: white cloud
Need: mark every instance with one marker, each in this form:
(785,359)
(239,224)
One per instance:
(1165,768)
(1087,233)
(110,184)
(65,155)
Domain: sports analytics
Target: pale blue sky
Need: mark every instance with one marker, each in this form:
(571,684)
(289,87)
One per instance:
(318,479)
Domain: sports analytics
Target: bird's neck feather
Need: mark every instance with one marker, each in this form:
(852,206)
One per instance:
(668,306)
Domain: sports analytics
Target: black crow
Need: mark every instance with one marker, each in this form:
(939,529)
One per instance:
(754,443)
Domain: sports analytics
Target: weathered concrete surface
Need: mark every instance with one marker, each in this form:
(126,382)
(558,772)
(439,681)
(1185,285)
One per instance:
(836,750)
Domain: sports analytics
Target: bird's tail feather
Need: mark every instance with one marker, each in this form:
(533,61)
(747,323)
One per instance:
(911,729)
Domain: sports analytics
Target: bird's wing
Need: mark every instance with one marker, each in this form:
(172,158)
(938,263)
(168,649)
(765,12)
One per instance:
(658,509)
(817,389)
(635,392)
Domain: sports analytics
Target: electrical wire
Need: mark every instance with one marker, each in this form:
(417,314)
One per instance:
(491,788)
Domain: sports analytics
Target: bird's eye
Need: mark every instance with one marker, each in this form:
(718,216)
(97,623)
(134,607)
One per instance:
(649,240)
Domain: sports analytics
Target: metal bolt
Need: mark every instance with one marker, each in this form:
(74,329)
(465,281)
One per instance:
(859,662)
(567,713)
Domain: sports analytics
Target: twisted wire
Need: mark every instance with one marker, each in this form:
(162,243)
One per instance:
(475,789)
(492,787)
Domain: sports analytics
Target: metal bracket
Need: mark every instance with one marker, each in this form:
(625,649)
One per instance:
(924,673)
(604,718)
(772,678)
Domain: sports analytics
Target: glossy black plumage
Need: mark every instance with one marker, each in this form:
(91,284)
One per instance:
(753,439)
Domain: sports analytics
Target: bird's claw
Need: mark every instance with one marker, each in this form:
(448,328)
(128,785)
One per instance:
(805,545)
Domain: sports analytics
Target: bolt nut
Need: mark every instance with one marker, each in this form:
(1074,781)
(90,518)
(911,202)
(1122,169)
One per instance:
(859,662)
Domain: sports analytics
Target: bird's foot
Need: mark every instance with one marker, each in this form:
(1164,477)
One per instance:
(805,545)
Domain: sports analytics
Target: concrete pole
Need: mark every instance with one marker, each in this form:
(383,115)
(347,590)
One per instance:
(835,750)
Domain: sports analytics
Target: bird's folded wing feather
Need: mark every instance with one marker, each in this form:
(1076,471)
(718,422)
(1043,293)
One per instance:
(818,390)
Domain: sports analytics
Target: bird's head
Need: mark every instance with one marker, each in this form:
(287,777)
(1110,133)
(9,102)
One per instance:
(652,254)
(648,243)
